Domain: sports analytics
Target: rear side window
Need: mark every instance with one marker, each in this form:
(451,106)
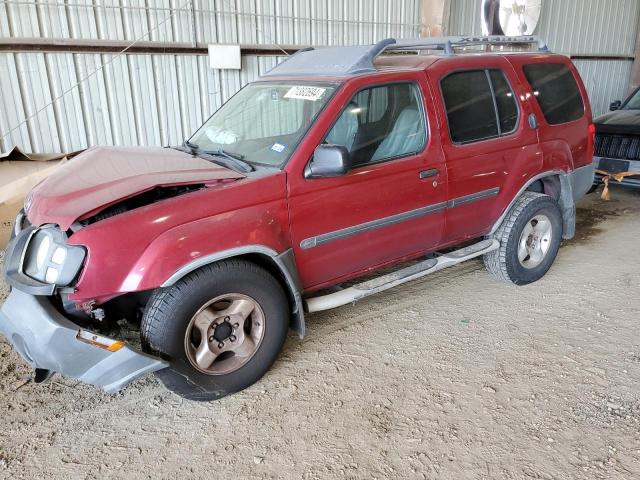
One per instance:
(506,103)
(556,90)
(480,105)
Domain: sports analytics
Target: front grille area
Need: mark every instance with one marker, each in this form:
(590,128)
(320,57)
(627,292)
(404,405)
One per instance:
(626,147)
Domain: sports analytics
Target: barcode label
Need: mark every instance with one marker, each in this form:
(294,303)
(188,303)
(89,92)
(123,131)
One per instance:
(305,93)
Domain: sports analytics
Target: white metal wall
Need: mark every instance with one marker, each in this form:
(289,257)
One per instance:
(158,99)
(598,28)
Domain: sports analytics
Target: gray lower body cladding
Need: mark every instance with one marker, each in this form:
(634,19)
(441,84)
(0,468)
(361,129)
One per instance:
(47,340)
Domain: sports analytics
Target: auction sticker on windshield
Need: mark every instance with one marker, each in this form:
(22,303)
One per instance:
(305,93)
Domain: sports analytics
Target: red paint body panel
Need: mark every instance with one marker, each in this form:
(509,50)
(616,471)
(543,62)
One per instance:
(140,249)
(505,162)
(365,194)
(99,177)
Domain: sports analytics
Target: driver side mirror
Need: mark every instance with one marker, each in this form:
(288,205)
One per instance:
(328,161)
(615,105)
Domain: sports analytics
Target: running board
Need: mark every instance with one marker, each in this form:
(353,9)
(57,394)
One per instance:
(390,280)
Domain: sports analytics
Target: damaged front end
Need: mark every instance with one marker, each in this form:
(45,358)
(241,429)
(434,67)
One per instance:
(61,250)
(41,266)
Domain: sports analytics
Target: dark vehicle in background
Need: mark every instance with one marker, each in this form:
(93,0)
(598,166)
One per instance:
(617,147)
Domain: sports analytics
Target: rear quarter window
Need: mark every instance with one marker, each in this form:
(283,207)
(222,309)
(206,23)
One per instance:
(556,90)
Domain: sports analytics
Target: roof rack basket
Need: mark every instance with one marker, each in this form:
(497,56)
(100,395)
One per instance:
(448,44)
(351,60)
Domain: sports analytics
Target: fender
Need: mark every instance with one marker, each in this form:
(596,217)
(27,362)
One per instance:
(283,262)
(573,185)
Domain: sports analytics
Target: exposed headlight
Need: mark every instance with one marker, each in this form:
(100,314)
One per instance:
(49,259)
(43,251)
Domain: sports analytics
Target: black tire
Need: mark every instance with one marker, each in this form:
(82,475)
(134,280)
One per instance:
(504,263)
(169,313)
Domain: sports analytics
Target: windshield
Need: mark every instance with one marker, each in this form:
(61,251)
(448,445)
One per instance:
(634,102)
(263,122)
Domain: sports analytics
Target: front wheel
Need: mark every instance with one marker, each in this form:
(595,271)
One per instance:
(221,328)
(529,239)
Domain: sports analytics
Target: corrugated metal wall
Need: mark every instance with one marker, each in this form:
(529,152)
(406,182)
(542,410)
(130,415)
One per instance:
(158,99)
(596,28)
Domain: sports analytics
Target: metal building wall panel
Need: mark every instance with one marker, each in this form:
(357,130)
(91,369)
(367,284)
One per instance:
(158,99)
(160,29)
(83,22)
(117,79)
(321,22)
(605,80)
(67,107)
(35,93)
(23,19)
(93,95)
(52,21)
(169,104)
(145,99)
(12,111)
(590,27)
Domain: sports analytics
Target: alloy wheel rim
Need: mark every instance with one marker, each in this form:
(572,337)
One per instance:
(535,241)
(224,334)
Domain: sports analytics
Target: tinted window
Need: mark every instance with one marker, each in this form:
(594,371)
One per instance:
(633,103)
(380,123)
(373,102)
(469,104)
(556,90)
(505,101)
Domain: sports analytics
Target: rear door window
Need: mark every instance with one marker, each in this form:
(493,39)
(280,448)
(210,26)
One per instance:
(505,102)
(556,90)
(480,105)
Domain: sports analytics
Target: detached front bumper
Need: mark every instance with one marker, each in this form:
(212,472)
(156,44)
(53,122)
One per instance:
(47,340)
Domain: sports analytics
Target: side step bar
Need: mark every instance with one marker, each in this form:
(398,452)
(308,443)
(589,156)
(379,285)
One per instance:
(390,280)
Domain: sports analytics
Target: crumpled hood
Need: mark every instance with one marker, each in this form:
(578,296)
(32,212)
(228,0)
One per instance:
(619,121)
(102,176)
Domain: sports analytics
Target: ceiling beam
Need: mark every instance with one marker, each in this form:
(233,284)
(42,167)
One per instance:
(65,45)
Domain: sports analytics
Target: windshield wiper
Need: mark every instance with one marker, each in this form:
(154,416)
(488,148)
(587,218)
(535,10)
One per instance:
(193,148)
(232,160)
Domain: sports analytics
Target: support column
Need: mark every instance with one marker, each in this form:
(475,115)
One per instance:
(634,81)
(434,17)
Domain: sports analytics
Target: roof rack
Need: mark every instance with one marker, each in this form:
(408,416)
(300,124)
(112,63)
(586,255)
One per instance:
(447,44)
(351,60)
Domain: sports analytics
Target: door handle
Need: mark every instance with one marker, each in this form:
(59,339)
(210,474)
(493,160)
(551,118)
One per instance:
(432,172)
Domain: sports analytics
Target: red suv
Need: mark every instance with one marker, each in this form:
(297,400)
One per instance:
(336,163)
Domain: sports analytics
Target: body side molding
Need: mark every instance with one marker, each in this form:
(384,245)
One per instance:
(397,218)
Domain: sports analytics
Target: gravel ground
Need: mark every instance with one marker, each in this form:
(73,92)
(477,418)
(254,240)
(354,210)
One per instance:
(454,376)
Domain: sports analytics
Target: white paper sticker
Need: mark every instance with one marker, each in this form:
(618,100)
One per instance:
(305,93)
(278,147)
(224,137)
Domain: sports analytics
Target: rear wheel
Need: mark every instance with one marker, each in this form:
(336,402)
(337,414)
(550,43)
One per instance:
(221,328)
(529,239)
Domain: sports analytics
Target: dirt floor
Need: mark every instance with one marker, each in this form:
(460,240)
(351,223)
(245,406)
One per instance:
(454,376)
